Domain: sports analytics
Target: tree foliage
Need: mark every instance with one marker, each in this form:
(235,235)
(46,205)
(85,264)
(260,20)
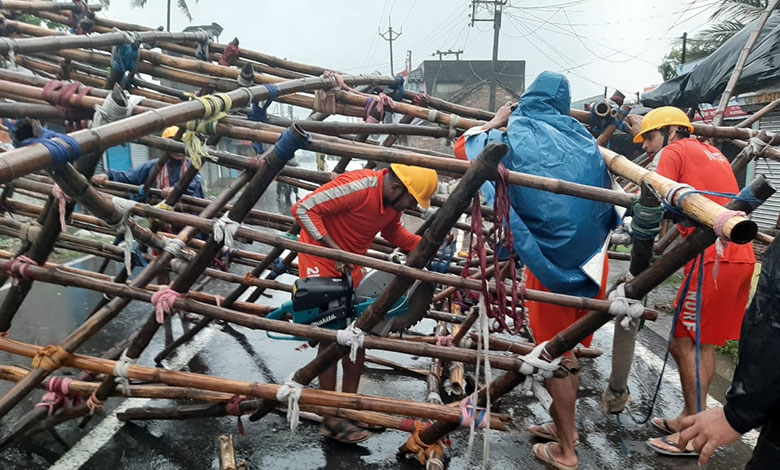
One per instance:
(728,19)
(181,4)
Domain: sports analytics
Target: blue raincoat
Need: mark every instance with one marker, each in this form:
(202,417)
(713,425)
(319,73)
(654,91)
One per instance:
(555,235)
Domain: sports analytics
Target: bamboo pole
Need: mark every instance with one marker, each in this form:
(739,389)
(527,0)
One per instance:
(484,167)
(743,56)
(738,229)
(636,288)
(615,397)
(58,41)
(17,5)
(253,389)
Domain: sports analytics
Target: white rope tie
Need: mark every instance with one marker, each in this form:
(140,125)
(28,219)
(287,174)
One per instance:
(453,123)
(671,195)
(175,247)
(624,310)
(434,397)
(483,349)
(756,146)
(225,230)
(125,207)
(29,232)
(291,391)
(351,336)
(536,371)
(111,111)
(432,115)
(121,371)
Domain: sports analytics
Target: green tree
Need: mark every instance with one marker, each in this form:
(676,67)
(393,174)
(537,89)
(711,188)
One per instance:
(728,19)
(181,4)
(694,50)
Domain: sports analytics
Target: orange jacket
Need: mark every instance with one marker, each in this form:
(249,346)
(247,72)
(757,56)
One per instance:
(351,210)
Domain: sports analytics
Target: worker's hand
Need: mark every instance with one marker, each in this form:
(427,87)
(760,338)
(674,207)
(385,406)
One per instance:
(633,124)
(166,191)
(707,430)
(100,179)
(344,267)
(502,116)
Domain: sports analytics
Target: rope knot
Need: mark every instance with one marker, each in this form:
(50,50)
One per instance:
(62,200)
(467,411)
(163,301)
(444,341)
(624,309)
(291,391)
(225,230)
(58,394)
(233,408)
(19,267)
(175,247)
(94,403)
(536,371)
(123,227)
(121,371)
(425,452)
(351,336)
(50,358)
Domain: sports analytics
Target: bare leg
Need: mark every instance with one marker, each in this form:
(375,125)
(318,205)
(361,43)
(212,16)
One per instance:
(327,378)
(684,352)
(352,372)
(564,394)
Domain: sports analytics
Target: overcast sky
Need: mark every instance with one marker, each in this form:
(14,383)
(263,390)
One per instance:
(596,43)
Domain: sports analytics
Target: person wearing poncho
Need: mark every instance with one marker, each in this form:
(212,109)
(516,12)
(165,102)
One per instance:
(561,239)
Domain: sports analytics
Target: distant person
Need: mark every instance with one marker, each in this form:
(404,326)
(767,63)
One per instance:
(665,135)
(175,166)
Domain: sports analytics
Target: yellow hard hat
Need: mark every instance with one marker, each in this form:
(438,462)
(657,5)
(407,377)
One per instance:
(663,117)
(420,182)
(170,132)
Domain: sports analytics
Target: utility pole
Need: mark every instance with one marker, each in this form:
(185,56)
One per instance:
(390,36)
(448,52)
(685,41)
(408,61)
(168,22)
(498,6)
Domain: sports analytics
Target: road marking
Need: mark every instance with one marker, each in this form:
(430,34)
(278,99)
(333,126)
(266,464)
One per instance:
(656,362)
(90,443)
(69,263)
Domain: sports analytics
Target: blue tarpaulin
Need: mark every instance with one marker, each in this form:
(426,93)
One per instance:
(555,235)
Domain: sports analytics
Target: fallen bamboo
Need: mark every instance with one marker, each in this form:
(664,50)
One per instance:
(484,167)
(17,5)
(252,389)
(636,288)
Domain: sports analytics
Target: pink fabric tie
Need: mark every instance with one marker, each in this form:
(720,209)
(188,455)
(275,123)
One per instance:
(723,241)
(62,200)
(467,410)
(18,267)
(58,394)
(163,301)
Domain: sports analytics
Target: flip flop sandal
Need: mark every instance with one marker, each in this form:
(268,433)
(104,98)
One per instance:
(662,424)
(549,433)
(543,453)
(345,432)
(671,453)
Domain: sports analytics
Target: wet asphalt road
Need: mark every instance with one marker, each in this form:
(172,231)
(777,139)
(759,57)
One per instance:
(51,312)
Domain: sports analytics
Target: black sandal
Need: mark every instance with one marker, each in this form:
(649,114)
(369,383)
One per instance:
(345,431)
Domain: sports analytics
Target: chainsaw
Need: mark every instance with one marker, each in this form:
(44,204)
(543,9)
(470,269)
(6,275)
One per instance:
(333,303)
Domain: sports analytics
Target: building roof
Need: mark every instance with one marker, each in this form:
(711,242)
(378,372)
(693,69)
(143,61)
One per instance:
(445,78)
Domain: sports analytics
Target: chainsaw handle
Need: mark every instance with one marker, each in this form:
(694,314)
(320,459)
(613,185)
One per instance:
(350,286)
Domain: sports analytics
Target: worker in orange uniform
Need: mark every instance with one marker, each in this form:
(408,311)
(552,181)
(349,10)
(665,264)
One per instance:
(346,214)
(665,134)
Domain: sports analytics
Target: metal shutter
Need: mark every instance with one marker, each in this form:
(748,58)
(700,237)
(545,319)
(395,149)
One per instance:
(766,215)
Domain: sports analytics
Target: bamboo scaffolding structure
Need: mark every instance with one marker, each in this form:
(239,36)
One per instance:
(741,60)
(636,288)
(17,5)
(252,389)
(60,41)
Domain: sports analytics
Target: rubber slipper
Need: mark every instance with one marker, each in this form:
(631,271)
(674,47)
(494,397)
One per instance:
(542,452)
(672,453)
(345,432)
(662,424)
(548,432)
